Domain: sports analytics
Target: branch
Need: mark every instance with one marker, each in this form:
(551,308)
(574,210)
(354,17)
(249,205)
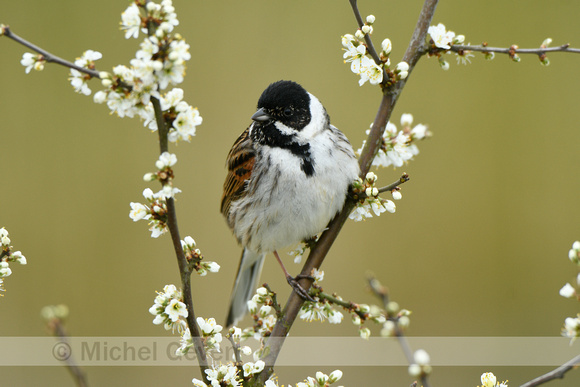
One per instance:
(403,179)
(47,56)
(369,43)
(182,263)
(348,305)
(514,50)
(381,292)
(57,329)
(557,373)
(184,269)
(390,95)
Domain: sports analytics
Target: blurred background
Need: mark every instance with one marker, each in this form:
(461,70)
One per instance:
(478,245)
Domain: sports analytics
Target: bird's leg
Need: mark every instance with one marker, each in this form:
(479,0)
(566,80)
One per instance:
(293,281)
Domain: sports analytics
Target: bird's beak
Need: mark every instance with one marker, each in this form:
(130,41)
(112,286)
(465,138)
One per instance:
(261,115)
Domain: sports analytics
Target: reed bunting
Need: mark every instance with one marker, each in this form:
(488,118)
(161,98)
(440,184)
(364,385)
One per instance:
(288,176)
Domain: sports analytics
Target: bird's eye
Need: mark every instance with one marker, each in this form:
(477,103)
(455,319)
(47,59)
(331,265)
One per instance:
(288,112)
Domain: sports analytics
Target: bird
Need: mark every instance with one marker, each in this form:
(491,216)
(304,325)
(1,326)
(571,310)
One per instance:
(288,176)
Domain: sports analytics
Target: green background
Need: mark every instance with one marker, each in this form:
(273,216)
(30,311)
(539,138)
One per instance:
(478,245)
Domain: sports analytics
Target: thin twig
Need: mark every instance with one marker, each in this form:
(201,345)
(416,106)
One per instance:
(238,357)
(79,376)
(512,50)
(381,292)
(369,43)
(557,373)
(348,305)
(390,95)
(47,56)
(403,179)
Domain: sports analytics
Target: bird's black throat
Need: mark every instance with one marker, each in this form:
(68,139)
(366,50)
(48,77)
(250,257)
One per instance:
(267,134)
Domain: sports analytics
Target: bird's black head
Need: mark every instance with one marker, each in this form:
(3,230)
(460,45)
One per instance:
(286,102)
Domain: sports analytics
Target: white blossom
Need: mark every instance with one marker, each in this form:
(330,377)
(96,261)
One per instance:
(5,271)
(253,368)
(131,21)
(571,327)
(166,159)
(223,375)
(440,36)
(139,212)
(32,61)
(176,309)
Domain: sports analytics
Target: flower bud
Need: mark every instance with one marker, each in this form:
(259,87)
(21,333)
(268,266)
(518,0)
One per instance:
(388,329)
(421,357)
(337,374)
(406,119)
(404,322)
(567,291)
(415,370)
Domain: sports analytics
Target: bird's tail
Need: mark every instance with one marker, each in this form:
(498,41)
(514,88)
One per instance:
(246,280)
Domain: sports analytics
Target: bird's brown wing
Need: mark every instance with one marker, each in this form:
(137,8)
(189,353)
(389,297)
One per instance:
(240,163)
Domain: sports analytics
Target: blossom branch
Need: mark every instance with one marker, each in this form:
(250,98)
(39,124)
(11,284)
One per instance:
(403,179)
(236,348)
(381,292)
(390,95)
(557,373)
(185,269)
(47,56)
(369,43)
(514,49)
(274,297)
(163,130)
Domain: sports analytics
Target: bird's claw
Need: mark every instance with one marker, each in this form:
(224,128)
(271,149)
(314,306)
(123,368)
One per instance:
(298,289)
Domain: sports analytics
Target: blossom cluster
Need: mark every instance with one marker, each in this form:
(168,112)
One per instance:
(298,252)
(488,379)
(158,64)
(156,210)
(361,313)
(224,375)
(194,256)
(371,201)
(211,337)
(421,364)
(321,379)
(571,327)
(261,306)
(361,62)
(7,255)
(321,309)
(440,41)
(397,320)
(398,146)
(169,309)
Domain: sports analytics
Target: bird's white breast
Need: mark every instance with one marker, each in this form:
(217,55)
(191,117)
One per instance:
(285,206)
